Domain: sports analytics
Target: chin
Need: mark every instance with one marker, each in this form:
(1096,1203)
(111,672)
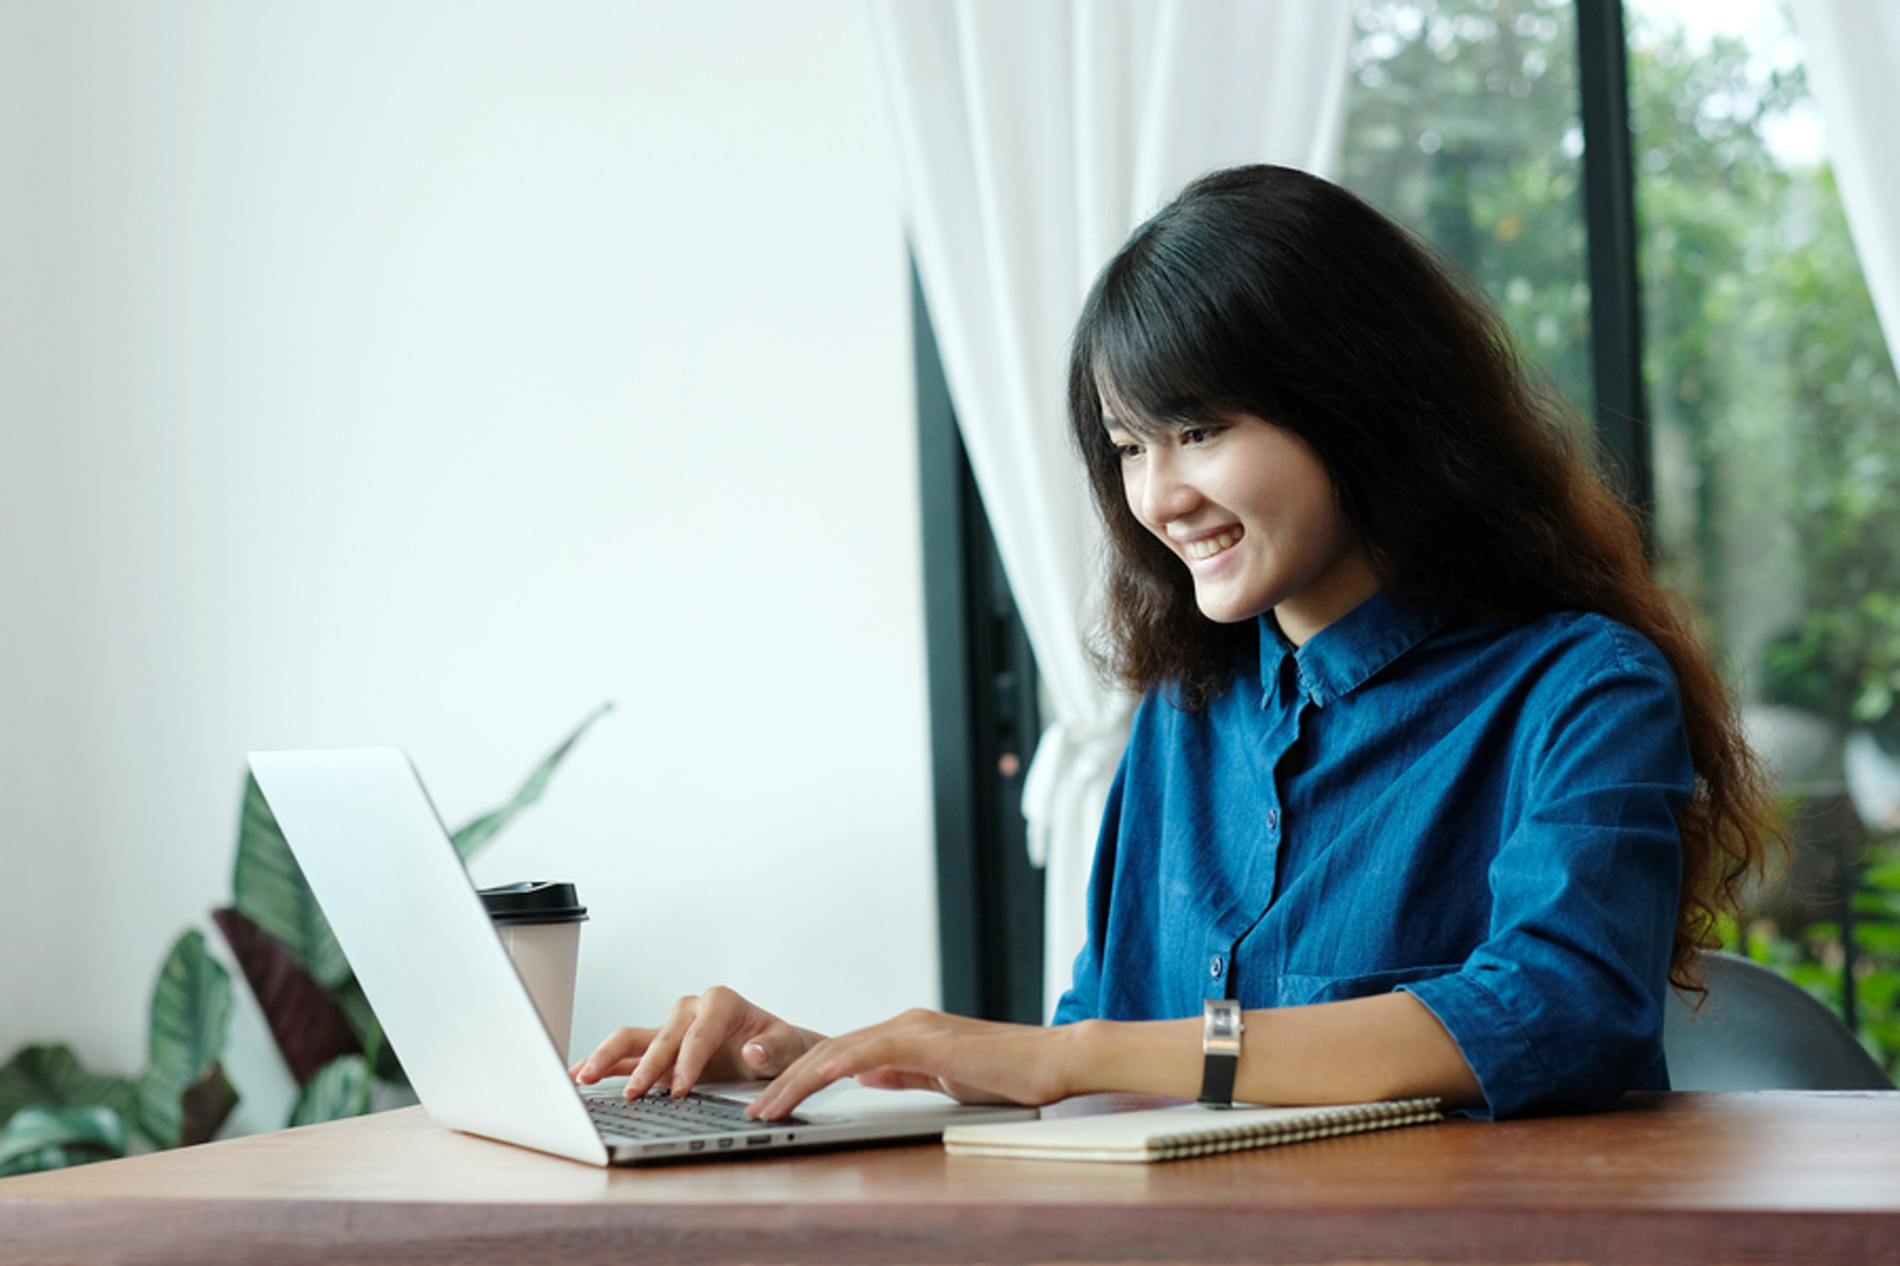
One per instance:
(1223,613)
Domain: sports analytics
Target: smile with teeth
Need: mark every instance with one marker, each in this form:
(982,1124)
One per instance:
(1208,546)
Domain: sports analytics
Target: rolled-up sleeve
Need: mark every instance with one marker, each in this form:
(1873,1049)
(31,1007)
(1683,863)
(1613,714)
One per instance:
(1560,1008)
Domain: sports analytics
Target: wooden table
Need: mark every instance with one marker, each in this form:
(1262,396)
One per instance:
(1667,1178)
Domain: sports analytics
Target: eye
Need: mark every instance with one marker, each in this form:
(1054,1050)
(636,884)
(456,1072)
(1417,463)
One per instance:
(1125,449)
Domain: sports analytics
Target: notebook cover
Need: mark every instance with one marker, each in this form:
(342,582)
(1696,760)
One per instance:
(1174,1133)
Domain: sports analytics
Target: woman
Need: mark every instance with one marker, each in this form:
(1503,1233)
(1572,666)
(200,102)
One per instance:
(1428,774)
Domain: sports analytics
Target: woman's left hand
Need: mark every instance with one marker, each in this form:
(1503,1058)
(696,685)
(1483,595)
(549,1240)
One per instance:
(974,1061)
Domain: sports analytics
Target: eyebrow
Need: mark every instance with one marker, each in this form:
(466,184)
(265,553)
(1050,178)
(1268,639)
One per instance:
(1140,428)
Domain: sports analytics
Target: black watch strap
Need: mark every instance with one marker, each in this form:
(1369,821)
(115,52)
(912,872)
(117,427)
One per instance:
(1220,1050)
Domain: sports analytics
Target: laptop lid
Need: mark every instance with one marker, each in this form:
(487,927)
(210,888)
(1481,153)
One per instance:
(388,878)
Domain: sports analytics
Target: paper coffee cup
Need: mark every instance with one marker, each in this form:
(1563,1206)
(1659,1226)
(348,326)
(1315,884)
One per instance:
(540,924)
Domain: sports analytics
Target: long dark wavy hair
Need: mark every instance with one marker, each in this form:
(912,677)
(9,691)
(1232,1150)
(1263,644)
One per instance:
(1270,292)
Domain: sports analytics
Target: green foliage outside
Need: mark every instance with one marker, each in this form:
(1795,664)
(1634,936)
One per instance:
(57,1113)
(1771,389)
(1462,123)
(1778,424)
(1813,955)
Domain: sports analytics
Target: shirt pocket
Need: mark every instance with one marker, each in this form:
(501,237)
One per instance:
(1299,991)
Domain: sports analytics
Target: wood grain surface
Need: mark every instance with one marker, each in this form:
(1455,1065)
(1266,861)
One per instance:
(1769,1177)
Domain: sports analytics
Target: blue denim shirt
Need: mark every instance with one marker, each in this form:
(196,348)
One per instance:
(1481,814)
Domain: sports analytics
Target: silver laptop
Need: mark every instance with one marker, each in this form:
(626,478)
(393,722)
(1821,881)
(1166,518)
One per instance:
(388,878)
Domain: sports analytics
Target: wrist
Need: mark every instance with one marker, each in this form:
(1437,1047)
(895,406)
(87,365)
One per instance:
(1151,1057)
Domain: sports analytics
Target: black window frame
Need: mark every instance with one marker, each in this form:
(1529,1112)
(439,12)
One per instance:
(984,723)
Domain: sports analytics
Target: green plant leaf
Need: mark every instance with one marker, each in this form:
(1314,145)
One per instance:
(309,1027)
(1877,991)
(340,1089)
(53,1077)
(1879,938)
(204,1107)
(268,888)
(1882,872)
(369,1032)
(40,1138)
(191,1006)
(473,835)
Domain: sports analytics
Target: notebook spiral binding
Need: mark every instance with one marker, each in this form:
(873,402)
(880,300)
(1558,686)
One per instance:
(1318,1124)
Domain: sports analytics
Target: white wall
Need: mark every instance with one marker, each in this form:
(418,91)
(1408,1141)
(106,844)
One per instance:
(425,374)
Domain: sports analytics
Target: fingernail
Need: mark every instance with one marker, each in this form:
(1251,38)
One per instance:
(756,1054)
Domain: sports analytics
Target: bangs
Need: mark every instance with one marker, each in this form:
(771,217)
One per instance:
(1157,346)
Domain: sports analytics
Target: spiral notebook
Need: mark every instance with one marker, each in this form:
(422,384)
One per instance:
(1174,1133)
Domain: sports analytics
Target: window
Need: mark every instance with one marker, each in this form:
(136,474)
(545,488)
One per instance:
(1777,446)
(1462,121)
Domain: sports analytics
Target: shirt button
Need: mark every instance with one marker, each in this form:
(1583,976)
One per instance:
(1214,966)
(1273,819)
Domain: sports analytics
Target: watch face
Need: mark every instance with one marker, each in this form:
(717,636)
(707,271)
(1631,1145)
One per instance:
(1221,1024)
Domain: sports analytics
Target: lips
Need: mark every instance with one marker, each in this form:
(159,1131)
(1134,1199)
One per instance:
(1208,546)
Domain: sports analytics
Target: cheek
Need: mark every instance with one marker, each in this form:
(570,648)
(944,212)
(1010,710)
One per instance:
(1131,496)
(1141,520)
(1332,536)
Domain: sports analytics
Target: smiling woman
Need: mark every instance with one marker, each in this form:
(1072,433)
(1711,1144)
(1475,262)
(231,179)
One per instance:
(1428,777)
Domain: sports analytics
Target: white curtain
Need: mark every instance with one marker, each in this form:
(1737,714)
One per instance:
(1853,64)
(1033,135)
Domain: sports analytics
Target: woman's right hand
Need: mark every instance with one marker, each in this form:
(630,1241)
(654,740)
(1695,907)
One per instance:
(716,1036)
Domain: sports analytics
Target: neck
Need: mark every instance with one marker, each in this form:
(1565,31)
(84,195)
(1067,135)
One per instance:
(1319,604)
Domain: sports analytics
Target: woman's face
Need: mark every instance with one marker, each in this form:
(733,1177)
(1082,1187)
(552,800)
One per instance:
(1250,511)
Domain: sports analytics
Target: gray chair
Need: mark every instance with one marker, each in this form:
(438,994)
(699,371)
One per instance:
(1758,1031)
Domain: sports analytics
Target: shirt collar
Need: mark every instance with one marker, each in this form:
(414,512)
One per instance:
(1346,653)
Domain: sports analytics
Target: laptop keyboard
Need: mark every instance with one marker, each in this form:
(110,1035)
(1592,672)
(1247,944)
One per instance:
(658,1115)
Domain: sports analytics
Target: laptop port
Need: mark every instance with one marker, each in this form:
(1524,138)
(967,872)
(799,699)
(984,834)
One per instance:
(698,1145)
(724,1144)
(755,1140)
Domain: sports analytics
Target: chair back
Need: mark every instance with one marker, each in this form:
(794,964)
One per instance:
(1759,1031)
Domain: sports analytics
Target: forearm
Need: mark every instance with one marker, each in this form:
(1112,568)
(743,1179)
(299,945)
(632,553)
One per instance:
(1385,1047)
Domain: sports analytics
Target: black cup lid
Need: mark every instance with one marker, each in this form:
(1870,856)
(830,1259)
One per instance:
(534,901)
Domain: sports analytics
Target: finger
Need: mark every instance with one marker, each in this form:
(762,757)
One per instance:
(810,1073)
(657,1062)
(612,1056)
(587,1076)
(715,1023)
(773,1051)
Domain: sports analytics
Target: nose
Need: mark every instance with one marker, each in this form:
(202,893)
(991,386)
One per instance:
(1165,493)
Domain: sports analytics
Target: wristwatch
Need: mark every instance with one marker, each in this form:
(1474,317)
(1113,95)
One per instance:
(1220,1050)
